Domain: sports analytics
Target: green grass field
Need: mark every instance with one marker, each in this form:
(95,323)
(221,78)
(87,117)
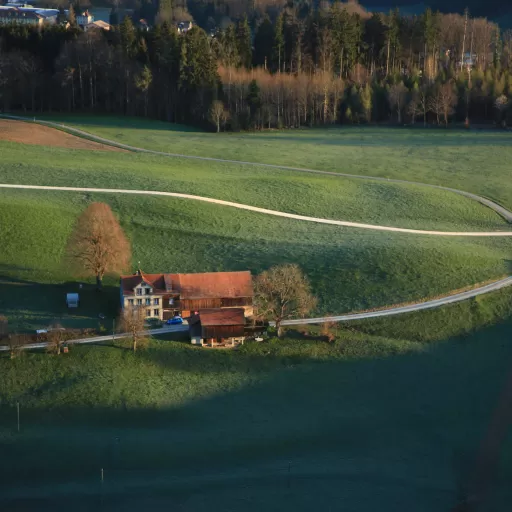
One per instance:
(308,194)
(369,421)
(388,417)
(476,161)
(349,269)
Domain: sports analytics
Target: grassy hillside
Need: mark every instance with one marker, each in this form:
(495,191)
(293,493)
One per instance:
(307,194)
(476,161)
(290,424)
(349,269)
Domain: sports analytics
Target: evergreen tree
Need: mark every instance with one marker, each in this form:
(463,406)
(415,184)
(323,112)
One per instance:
(164,11)
(253,100)
(278,52)
(114,16)
(244,42)
(366,101)
(128,37)
(72,16)
(263,43)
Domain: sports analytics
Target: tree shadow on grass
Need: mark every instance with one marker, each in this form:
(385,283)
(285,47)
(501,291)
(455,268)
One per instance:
(124,123)
(376,434)
(30,305)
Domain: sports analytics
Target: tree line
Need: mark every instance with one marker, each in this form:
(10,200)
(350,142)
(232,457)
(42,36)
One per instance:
(331,65)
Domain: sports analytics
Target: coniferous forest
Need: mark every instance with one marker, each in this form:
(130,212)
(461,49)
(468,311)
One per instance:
(283,66)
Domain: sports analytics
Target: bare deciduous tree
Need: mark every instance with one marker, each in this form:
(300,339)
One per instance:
(218,114)
(16,342)
(397,97)
(501,104)
(98,244)
(283,292)
(4,327)
(414,107)
(55,338)
(133,322)
(448,100)
(443,102)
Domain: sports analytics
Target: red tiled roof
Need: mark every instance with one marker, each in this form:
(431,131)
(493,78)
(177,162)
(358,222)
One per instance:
(208,285)
(160,282)
(213,285)
(225,316)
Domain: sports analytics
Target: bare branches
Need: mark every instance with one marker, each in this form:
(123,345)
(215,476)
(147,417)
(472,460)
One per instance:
(133,321)
(98,244)
(55,338)
(397,97)
(283,292)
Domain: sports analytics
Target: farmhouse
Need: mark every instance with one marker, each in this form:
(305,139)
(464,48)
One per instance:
(167,295)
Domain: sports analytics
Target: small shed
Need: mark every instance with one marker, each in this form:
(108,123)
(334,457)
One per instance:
(72,300)
(217,325)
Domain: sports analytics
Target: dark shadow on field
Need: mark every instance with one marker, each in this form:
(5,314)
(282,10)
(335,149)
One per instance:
(30,305)
(123,123)
(383,434)
(423,138)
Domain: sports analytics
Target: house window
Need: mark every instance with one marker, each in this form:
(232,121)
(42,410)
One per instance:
(148,291)
(139,291)
(171,302)
(139,302)
(156,312)
(130,302)
(156,302)
(148,312)
(148,302)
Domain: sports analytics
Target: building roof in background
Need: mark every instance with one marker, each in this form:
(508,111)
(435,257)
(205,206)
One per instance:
(100,24)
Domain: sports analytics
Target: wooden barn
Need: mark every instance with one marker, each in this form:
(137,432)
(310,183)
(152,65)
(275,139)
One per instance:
(217,326)
(214,290)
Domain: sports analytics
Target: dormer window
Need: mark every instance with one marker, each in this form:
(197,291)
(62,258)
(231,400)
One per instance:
(139,291)
(148,291)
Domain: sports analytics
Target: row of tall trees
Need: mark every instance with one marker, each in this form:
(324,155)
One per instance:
(332,65)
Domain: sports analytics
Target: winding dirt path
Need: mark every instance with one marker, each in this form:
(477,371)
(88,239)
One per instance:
(265,211)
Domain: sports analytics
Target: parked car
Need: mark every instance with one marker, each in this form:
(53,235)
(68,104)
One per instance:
(175,320)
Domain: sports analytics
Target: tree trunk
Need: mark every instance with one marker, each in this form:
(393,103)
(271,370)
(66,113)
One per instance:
(135,344)
(279,328)
(99,282)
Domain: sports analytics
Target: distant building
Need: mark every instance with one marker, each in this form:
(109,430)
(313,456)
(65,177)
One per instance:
(27,16)
(184,26)
(97,25)
(143,25)
(84,19)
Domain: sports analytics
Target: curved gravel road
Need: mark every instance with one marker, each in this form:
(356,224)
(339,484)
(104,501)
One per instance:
(265,211)
(431,304)
(500,210)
